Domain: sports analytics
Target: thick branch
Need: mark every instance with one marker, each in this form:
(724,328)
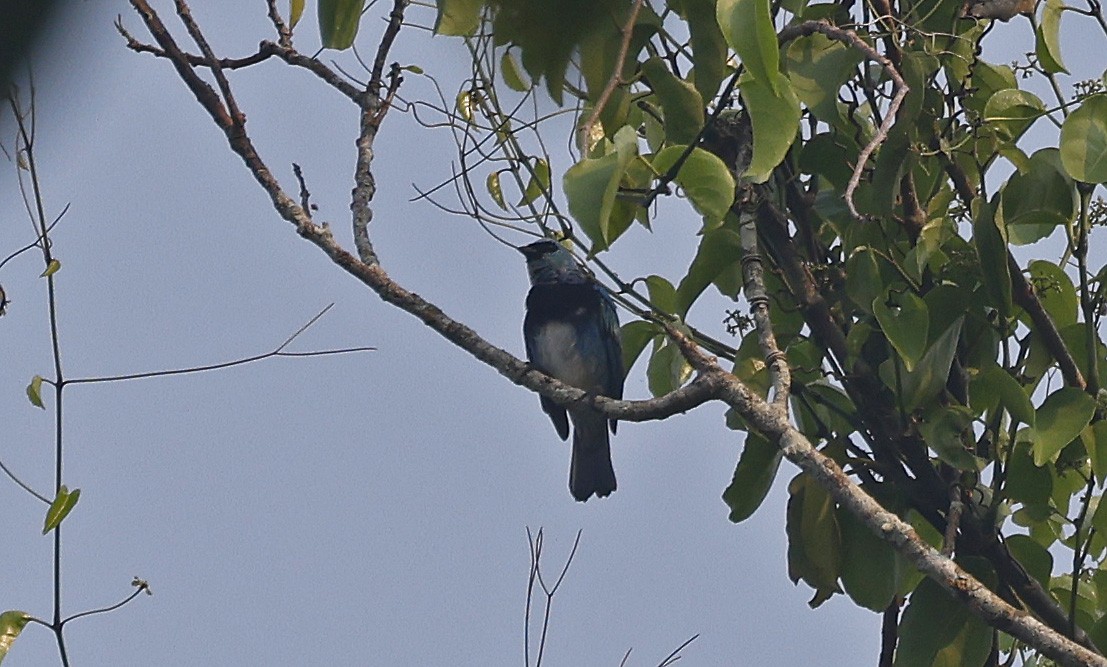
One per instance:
(963,586)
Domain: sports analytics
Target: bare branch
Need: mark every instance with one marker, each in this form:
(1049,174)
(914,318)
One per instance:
(395,20)
(140,587)
(276,352)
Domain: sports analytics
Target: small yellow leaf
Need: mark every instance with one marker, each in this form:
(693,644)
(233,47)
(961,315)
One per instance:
(51,268)
(496,190)
(464,105)
(34,392)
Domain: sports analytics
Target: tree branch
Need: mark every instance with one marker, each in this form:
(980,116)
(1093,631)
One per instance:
(712,382)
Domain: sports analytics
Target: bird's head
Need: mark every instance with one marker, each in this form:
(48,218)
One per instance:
(548,262)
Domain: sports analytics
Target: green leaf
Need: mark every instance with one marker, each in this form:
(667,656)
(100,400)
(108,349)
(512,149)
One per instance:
(703,177)
(539,181)
(1097,452)
(1012,111)
(817,67)
(11,624)
(591,185)
(513,74)
(1098,632)
(942,429)
(868,564)
(933,622)
(892,162)
(987,80)
(1032,556)
(814,541)
(991,248)
(457,17)
(667,370)
(548,33)
(51,268)
(928,379)
(663,295)
(1037,201)
(681,104)
(1084,141)
(1075,337)
(972,646)
(61,507)
(295,11)
(864,282)
(775,114)
(1055,290)
(718,249)
(634,337)
(709,51)
(996,382)
(904,318)
(496,189)
(753,477)
(1099,518)
(747,26)
(1026,482)
(1060,419)
(338,22)
(1047,38)
(825,407)
(34,392)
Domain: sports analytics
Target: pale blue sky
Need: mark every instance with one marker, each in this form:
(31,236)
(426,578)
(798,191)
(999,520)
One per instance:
(365,509)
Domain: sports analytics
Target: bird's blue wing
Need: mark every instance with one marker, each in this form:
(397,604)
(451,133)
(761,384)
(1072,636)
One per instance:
(613,349)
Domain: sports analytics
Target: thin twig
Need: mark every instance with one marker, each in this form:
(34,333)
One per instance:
(38,240)
(616,77)
(23,485)
(140,586)
(284,31)
(675,655)
(305,195)
(277,352)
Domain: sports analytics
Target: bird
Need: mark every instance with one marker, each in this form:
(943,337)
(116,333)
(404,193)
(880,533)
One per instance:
(571,332)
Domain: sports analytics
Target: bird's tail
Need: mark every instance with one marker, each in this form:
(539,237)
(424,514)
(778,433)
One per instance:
(590,471)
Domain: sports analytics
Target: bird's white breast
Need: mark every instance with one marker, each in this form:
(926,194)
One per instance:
(557,346)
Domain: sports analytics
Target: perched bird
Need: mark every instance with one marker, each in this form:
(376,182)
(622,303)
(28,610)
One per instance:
(572,333)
